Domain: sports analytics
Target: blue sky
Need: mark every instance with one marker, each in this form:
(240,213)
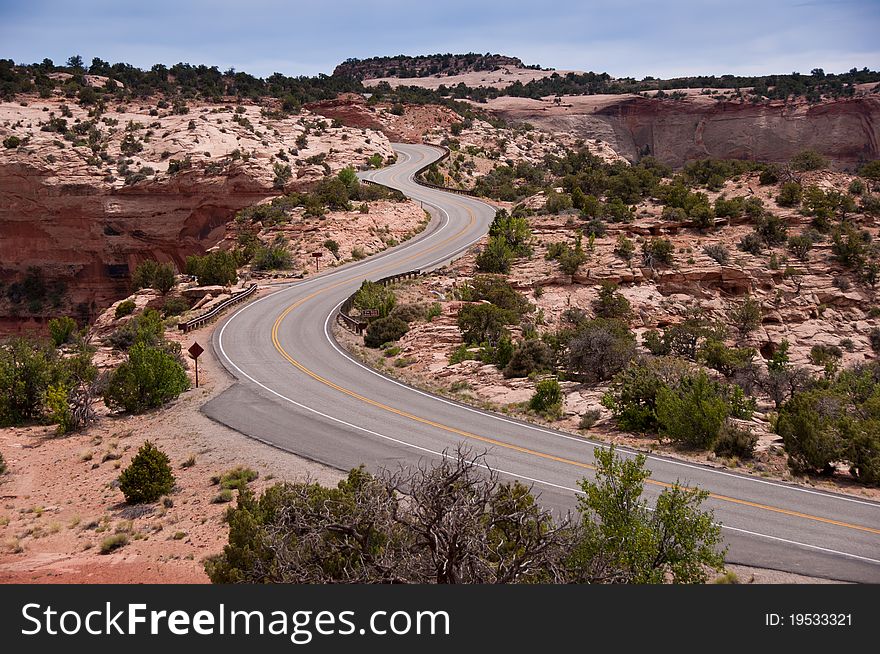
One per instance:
(622,37)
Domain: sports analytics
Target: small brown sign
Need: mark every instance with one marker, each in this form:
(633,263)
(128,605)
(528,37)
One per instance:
(369,313)
(317,254)
(195,350)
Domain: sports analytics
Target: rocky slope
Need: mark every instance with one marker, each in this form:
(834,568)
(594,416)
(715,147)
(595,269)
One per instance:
(702,126)
(88,197)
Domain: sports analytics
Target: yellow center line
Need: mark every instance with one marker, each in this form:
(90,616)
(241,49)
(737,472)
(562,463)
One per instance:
(492,441)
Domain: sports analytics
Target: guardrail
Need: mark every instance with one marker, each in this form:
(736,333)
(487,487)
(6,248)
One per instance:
(343,317)
(356,325)
(189,325)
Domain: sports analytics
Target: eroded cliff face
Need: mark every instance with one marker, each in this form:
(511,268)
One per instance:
(678,131)
(77,214)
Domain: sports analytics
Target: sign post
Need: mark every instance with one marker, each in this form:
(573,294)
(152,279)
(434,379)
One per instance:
(317,256)
(195,351)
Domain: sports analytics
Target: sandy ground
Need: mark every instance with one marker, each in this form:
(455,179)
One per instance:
(60,500)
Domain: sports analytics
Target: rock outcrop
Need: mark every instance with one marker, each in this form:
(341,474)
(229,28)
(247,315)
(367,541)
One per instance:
(699,127)
(85,202)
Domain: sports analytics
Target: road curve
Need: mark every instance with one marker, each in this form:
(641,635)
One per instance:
(297,390)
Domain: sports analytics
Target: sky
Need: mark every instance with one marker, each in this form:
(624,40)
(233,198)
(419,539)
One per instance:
(622,37)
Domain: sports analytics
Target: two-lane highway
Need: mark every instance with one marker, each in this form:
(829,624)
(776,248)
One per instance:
(298,391)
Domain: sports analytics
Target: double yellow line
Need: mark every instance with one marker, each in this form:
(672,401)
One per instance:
(493,441)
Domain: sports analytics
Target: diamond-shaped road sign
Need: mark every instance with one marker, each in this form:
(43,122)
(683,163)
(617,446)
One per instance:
(195,350)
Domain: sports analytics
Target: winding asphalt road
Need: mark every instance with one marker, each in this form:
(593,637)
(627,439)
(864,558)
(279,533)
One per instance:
(297,390)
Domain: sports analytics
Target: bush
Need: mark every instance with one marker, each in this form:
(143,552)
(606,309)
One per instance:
(384,330)
(589,419)
(496,257)
(148,477)
(693,412)
(165,278)
(657,251)
(26,370)
(600,349)
(333,247)
(718,252)
(2,464)
(752,243)
(514,230)
(497,290)
(808,160)
(726,360)
(624,248)
(148,379)
(113,543)
(375,296)
(611,304)
(632,395)
(547,400)
(275,256)
(146,328)
(215,268)
(62,330)
(125,308)
(235,479)
(790,195)
(735,441)
(746,316)
(874,338)
(821,355)
(808,425)
(800,246)
(11,142)
(528,357)
(484,323)
(175,306)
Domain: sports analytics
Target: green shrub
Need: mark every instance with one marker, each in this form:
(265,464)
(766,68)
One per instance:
(174,306)
(11,142)
(147,380)
(484,323)
(274,256)
(809,426)
(146,329)
(611,304)
(726,360)
(513,230)
(125,308)
(528,357)
(693,412)
(2,464)
(235,479)
(746,316)
(821,355)
(384,330)
(800,246)
(789,195)
(62,330)
(600,349)
(547,400)
(624,248)
(874,338)
(26,369)
(589,419)
(148,477)
(333,247)
(113,543)
(495,257)
(215,268)
(657,251)
(165,278)
(372,295)
(497,290)
(735,441)
(751,243)
(718,252)
(808,160)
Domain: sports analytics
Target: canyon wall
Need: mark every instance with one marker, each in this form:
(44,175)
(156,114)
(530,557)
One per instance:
(82,203)
(678,131)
